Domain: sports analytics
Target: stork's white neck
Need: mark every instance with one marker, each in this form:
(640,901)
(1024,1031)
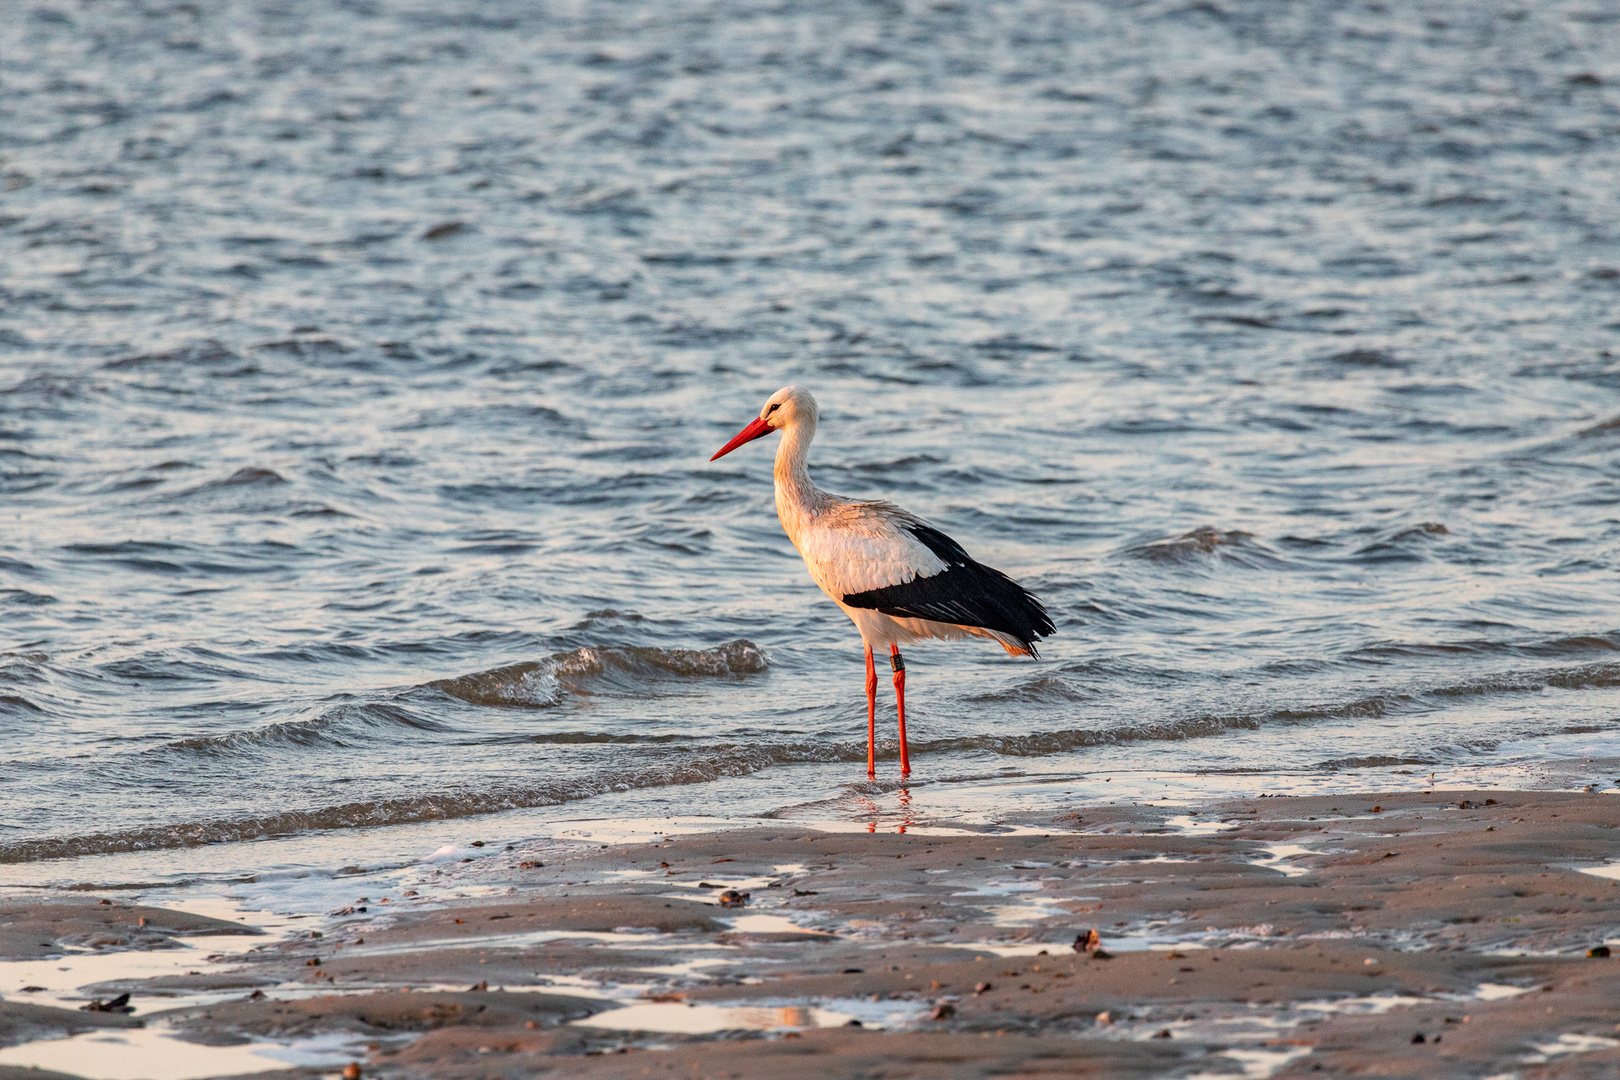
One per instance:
(794,488)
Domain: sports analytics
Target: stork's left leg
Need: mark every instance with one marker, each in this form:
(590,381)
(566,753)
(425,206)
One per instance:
(899,665)
(871,716)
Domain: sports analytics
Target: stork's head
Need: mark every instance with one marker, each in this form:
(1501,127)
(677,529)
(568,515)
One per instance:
(788,406)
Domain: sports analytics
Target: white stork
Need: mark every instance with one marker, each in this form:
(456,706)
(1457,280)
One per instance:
(896,577)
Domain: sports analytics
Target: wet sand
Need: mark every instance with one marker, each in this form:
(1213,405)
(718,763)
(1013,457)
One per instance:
(1440,934)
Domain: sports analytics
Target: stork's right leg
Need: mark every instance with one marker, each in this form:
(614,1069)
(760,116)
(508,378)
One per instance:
(900,706)
(871,716)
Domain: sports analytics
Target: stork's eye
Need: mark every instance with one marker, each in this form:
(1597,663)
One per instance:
(773,408)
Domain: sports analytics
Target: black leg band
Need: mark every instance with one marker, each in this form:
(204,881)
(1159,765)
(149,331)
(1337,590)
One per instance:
(897,662)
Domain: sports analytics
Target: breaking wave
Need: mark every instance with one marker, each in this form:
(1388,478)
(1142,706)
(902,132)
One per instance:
(337,727)
(544,683)
(534,685)
(1207,544)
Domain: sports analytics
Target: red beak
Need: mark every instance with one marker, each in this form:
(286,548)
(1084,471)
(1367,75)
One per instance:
(756,429)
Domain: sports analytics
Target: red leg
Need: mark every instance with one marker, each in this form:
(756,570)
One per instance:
(900,703)
(871,716)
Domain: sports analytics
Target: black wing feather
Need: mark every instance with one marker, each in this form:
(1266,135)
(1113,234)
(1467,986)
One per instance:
(966,593)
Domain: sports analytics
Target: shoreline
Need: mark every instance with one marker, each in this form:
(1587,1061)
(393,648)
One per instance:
(956,795)
(1275,936)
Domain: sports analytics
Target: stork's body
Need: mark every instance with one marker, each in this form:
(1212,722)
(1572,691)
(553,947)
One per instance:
(895,576)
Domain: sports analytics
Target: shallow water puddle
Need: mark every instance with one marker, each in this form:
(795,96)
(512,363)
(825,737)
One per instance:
(1033,909)
(691,968)
(156,1053)
(1037,910)
(1262,1026)
(1256,1064)
(1568,1043)
(62,975)
(999,948)
(911,829)
(140,1054)
(1498,991)
(719,884)
(1001,888)
(1276,859)
(630,830)
(1265,1024)
(770,924)
(1121,943)
(642,939)
(693,1018)
(1138,862)
(1195,826)
(1610,871)
(569,985)
(1372,1005)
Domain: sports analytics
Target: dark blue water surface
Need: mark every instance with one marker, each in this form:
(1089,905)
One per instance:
(360,363)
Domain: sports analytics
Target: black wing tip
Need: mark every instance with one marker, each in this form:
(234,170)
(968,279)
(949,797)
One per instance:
(1042,628)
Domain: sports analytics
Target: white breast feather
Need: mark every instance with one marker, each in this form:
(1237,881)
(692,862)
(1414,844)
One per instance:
(854,547)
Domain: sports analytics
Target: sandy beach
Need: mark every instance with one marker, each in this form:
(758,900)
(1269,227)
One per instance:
(1433,934)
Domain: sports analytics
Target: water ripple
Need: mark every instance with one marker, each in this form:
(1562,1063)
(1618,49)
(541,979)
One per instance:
(358,377)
